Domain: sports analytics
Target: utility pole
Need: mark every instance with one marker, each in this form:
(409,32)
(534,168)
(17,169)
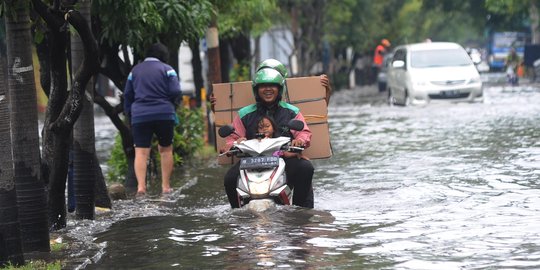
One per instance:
(214,67)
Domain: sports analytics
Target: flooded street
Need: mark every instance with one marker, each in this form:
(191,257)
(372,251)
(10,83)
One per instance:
(444,186)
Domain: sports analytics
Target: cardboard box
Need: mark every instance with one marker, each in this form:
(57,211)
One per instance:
(306,93)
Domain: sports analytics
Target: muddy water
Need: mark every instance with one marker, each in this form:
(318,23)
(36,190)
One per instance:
(445,186)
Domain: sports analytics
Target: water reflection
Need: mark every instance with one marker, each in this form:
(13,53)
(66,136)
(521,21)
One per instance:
(237,240)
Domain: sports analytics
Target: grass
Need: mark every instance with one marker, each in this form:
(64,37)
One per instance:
(36,265)
(206,152)
(40,264)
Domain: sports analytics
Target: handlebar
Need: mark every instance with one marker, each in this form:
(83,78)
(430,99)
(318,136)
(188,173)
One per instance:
(233,151)
(294,149)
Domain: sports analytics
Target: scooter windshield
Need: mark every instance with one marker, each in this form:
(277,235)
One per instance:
(256,147)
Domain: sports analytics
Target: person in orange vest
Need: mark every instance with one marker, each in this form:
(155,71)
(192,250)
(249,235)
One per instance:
(378,56)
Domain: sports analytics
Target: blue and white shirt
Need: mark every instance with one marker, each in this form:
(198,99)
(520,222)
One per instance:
(151,89)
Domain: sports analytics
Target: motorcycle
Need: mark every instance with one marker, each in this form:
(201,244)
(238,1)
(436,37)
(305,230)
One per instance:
(263,182)
(511,76)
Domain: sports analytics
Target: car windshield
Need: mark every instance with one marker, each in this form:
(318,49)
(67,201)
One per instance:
(439,58)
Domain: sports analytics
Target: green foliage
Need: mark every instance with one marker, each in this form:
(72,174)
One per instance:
(509,15)
(358,24)
(240,72)
(189,133)
(246,16)
(507,6)
(55,247)
(128,22)
(36,265)
(188,139)
(117,162)
(185,20)
(138,23)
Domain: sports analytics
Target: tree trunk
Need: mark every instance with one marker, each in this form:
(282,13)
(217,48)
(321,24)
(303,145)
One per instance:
(307,29)
(214,64)
(173,56)
(214,68)
(30,188)
(197,70)
(127,141)
(117,70)
(63,111)
(84,150)
(225,62)
(241,48)
(55,144)
(10,234)
(101,197)
(535,21)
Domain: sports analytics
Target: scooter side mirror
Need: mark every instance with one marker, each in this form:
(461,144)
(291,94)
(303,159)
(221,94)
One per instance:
(296,125)
(225,131)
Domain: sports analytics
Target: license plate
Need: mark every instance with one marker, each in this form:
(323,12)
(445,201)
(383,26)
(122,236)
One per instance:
(259,162)
(450,93)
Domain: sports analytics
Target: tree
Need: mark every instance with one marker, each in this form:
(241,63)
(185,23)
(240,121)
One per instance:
(238,21)
(523,10)
(84,150)
(306,24)
(30,188)
(122,25)
(10,235)
(63,108)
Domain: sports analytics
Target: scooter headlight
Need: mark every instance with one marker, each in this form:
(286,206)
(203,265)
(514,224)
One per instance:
(259,188)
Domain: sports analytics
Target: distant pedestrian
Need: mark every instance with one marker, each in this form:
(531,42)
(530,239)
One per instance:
(512,63)
(150,99)
(378,56)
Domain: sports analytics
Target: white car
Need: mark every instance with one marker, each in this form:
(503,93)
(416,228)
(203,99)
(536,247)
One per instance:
(425,72)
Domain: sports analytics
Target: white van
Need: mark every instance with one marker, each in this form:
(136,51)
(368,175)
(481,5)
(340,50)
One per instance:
(424,72)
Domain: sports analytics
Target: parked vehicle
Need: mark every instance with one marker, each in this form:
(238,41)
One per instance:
(425,72)
(382,75)
(263,182)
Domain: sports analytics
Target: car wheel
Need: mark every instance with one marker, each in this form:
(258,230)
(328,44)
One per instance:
(382,86)
(391,99)
(407,99)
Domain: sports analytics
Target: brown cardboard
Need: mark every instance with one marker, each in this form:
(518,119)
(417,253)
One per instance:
(320,142)
(233,96)
(313,111)
(305,88)
(306,93)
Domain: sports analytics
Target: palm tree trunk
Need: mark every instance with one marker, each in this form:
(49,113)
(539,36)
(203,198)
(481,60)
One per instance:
(84,150)
(10,234)
(30,188)
(55,143)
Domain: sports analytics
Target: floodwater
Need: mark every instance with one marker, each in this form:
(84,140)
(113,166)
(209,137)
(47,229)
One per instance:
(444,186)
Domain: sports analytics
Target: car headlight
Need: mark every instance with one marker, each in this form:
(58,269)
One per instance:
(475,80)
(419,83)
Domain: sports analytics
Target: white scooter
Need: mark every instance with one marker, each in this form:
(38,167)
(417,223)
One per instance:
(262,182)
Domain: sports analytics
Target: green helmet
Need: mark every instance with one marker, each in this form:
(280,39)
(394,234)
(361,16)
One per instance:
(268,76)
(274,64)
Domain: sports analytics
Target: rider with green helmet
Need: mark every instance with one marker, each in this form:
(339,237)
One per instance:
(268,88)
(278,66)
(274,64)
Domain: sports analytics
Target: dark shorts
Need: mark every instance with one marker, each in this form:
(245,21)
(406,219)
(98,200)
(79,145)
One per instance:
(142,133)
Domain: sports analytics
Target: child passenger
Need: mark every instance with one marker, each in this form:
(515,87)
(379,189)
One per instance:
(266,128)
